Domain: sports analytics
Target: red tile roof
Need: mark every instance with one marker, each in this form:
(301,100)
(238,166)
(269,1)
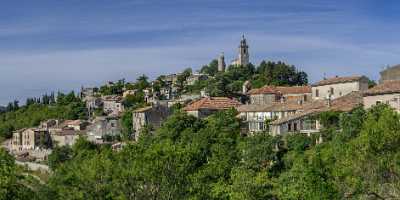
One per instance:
(342,104)
(280,89)
(336,80)
(213,103)
(387,87)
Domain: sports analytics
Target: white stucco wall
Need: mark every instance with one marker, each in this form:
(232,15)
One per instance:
(339,89)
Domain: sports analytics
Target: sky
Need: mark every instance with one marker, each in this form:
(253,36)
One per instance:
(52,45)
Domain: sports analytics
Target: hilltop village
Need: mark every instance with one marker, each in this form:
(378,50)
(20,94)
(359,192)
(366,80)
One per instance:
(274,97)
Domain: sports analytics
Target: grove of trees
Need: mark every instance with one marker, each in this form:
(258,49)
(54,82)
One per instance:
(190,158)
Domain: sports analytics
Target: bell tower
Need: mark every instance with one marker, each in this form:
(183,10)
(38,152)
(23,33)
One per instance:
(243,52)
(221,63)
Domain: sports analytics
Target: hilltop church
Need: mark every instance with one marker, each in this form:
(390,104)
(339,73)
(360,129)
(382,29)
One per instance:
(243,57)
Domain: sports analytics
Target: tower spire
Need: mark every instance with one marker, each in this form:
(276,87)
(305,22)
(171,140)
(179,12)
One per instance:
(221,63)
(243,52)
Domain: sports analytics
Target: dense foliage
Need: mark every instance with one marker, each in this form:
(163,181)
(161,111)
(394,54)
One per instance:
(230,82)
(66,106)
(189,158)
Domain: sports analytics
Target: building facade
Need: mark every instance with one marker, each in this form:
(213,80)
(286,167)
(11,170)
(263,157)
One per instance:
(269,95)
(338,86)
(388,92)
(30,139)
(390,74)
(256,117)
(103,126)
(112,104)
(151,116)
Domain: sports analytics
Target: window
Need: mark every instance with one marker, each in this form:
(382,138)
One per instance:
(332,92)
(289,127)
(317,93)
(378,102)
(295,127)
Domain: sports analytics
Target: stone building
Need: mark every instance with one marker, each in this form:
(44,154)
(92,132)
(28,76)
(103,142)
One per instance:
(255,116)
(64,136)
(388,92)
(338,86)
(152,116)
(103,126)
(221,63)
(77,125)
(191,80)
(209,105)
(88,92)
(30,139)
(112,105)
(243,57)
(307,121)
(268,95)
(390,74)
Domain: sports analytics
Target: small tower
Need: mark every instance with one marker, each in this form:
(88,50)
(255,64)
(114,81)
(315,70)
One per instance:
(243,52)
(221,63)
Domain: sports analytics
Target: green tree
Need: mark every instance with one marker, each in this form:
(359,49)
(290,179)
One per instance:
(58,156)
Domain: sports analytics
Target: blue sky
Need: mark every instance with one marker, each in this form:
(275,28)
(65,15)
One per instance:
(52,45)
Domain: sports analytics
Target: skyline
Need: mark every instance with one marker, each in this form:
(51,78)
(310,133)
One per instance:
(51,46)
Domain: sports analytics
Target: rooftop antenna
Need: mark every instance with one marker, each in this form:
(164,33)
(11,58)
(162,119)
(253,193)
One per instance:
(324,76)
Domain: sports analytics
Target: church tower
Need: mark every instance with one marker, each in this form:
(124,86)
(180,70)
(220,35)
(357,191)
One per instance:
(243,52)
(221,63)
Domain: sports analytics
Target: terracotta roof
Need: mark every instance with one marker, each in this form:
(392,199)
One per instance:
(281,89)
(214,103)
(287,106)
(342,104)
(387,87)
(336,80)
(391,68)
(347,102)
(63,132)
(72,122)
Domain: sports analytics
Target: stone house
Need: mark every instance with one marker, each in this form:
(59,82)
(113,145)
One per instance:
(64,136)
(209,105)
(103,126)
(269,95)
(152,116)
(93,102)
(308,122)
(77,125)
(255,116)
(30,139)
(112,104)
(338,86)
(388,92)
(88,92)
(390,74)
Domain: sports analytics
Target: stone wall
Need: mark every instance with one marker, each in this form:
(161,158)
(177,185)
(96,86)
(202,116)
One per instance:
(393,100)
